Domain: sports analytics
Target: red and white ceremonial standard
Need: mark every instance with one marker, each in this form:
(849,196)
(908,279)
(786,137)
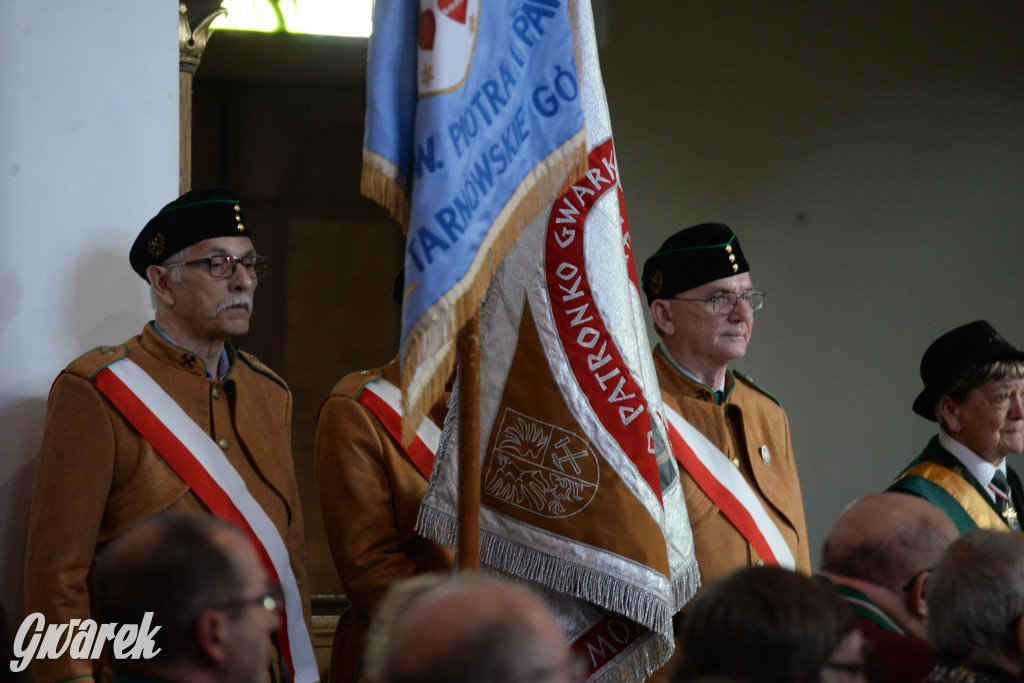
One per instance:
(201,464)
(581,496)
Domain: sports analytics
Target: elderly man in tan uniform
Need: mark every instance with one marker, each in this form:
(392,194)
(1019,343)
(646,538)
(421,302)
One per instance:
(173,419)
(702,301)
(370,493)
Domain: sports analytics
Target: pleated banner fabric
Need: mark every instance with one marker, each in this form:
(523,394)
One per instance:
(580,494)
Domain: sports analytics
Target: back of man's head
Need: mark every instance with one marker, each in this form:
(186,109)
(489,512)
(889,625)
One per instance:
(466,628)
(887,539)
(976,599)
(174,566)
(762,625)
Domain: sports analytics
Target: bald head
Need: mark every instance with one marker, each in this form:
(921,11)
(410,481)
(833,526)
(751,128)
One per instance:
(887,539)
(471,628)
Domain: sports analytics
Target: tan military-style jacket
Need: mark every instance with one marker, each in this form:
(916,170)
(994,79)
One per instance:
(752,431)
(96,475)
(370,494)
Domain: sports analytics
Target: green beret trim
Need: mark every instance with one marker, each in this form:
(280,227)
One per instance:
(206,201)
(756,386)
(701,246)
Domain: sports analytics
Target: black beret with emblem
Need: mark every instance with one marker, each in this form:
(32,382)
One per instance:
(953,355)
(691,258)
(193,217)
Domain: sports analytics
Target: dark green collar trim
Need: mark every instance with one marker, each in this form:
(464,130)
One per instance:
(228,346)
(865,608)
(759,387)
(258,367)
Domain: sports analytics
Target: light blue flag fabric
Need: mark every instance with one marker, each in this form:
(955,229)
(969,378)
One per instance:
(473,124)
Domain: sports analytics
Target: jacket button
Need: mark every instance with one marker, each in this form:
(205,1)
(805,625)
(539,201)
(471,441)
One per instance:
(223,443)
(736,461)
(760,563)
(766,455)
(216,392)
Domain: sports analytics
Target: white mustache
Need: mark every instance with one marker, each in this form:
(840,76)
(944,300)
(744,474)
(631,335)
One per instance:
(236,300)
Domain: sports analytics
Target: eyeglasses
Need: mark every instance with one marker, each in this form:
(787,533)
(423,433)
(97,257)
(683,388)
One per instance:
(726,301)
(224,266)
(271,602)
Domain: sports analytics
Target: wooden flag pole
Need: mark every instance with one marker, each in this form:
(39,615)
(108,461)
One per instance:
(468,349)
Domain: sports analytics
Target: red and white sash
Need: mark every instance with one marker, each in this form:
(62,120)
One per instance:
(384,400)
(200,462)
(727,489)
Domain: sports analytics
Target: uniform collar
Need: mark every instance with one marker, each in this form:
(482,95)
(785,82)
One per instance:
(728,383)
(156,342)
(982,469)
(865,608)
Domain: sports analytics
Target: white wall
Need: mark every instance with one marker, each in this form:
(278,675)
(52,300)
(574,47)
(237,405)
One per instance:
(88,153)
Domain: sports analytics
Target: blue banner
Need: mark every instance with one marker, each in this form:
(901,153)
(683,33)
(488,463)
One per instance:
(473,125)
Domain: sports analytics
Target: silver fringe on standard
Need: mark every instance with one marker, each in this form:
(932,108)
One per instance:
(580,581)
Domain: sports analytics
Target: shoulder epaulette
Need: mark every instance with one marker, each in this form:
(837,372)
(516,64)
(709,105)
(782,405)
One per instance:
(89,363)
(757,386)
(260,367)
(352,384)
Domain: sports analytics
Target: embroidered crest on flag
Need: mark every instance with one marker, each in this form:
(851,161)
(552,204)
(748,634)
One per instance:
(446,40)
(541,468)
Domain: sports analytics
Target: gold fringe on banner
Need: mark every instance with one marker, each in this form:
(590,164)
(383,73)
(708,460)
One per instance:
(381,182)
(428,353)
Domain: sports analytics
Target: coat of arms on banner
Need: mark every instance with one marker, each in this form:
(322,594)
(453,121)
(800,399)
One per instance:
(453,24)
(540,468)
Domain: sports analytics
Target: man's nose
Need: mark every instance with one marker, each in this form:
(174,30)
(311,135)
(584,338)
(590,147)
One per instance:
(240,279)
(742,310)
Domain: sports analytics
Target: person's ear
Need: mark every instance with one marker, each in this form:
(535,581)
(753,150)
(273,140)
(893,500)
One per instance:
(213,635)
(661,314)
(949,412)
(916,597)
(160,280)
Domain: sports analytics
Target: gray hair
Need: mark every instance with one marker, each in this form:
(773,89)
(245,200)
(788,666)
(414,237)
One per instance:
(976,597)
(974,378)
(176,257)
(380,638)
(500,645)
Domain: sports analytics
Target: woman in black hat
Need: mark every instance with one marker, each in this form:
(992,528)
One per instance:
(974,389)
